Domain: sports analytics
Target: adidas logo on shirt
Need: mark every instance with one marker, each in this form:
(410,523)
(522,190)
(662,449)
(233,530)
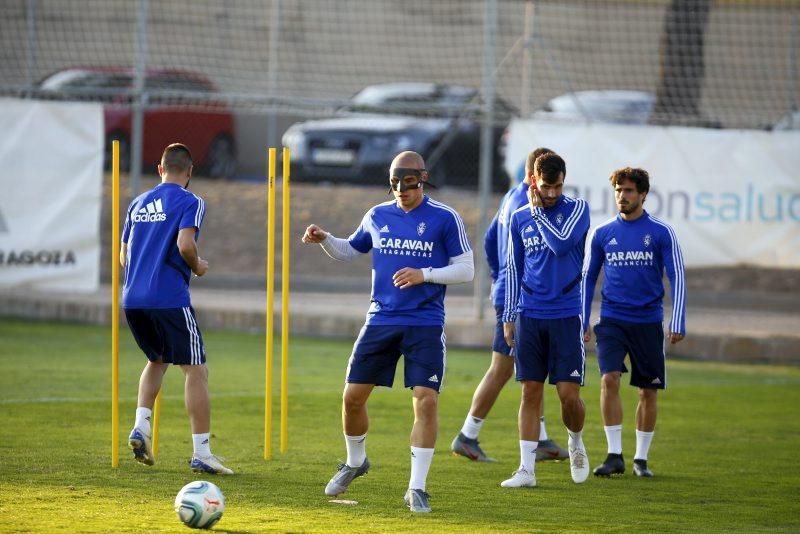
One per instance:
(529,229)
(575,374)
(613,241)
(434,379)
(384,229)
(151,212)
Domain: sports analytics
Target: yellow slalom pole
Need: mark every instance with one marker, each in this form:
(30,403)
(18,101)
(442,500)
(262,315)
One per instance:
(270,303)
(285,304)
(115,304)
(156,418)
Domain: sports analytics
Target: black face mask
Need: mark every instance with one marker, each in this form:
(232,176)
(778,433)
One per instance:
(397,182)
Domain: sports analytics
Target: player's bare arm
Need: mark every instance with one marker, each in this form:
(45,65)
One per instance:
(408,277)
(123,254)
(187,246)
(587,335)
(314,234)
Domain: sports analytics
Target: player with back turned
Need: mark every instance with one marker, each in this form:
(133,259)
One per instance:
(634,249)
(159,254)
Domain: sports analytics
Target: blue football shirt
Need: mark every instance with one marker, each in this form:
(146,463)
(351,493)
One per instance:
(427,236)
(545,257)
(634,256)
(156,276)
(495,242)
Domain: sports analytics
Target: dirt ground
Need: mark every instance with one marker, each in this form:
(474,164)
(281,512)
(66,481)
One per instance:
(233,238)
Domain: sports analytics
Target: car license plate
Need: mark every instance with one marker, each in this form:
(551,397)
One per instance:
(333,156)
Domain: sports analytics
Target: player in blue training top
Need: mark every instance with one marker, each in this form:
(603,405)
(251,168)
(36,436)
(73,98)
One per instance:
(633,249)
(418,246)
(159,254)
(495,243)
(545,256)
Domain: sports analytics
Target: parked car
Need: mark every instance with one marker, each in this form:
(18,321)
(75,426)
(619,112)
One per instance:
(180,106)
(358,144)
(611,106)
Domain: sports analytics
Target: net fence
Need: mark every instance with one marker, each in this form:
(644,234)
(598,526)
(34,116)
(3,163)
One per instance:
(730,64)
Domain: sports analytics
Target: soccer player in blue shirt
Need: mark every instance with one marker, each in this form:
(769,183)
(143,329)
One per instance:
(418,246)
(495,243)
(542,313)
(634,249)
(159,255)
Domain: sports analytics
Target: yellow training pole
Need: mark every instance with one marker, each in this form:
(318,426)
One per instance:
(156,418)
(285,305)
(115,304)
(270,302)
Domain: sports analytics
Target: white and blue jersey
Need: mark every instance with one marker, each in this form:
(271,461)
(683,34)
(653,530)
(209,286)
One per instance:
(156,276)
(495,242)
(427,236)
(544,261)
(634,256)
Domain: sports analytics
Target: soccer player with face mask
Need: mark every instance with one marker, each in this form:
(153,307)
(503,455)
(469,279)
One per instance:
(418,247)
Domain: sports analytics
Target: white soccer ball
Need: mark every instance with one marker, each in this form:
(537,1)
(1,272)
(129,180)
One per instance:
(199,504)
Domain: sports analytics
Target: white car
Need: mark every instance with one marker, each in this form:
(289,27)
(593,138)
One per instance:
(613,105)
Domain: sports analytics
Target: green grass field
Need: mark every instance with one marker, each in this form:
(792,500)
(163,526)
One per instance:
(723,454)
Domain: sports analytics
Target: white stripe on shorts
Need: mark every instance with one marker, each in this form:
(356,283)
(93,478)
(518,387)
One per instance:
(194,338)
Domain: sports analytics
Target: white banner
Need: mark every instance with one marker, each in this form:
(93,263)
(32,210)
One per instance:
(51,168)
(733,196)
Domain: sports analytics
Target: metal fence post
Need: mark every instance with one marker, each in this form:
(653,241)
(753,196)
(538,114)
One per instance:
(487,153)
(138,104)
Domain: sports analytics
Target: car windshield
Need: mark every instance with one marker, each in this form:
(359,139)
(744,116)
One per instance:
(85,80)
(83,83)
(423,99)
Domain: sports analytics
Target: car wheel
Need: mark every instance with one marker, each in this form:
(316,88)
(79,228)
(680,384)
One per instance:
(221,160)
(124,152)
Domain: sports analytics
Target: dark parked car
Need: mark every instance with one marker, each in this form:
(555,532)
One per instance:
(358,144)
(181,106)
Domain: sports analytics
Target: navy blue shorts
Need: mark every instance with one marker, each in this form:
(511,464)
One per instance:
(169,335)
(644,342)
(378,348)
(549,347)
(499,344)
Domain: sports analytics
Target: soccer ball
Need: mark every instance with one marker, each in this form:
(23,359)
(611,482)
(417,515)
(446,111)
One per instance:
(199,504)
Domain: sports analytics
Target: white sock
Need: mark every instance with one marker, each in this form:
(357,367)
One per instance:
(202,445)
(643,440)
(527,455)
(614,438)
(542,430)
(356,449)
(472,426)
(575,439)
(143,416)
(420,465)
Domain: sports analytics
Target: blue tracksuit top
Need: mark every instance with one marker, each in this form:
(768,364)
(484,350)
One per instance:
(495,242)
(544,261)
(156,276)
(634,256)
